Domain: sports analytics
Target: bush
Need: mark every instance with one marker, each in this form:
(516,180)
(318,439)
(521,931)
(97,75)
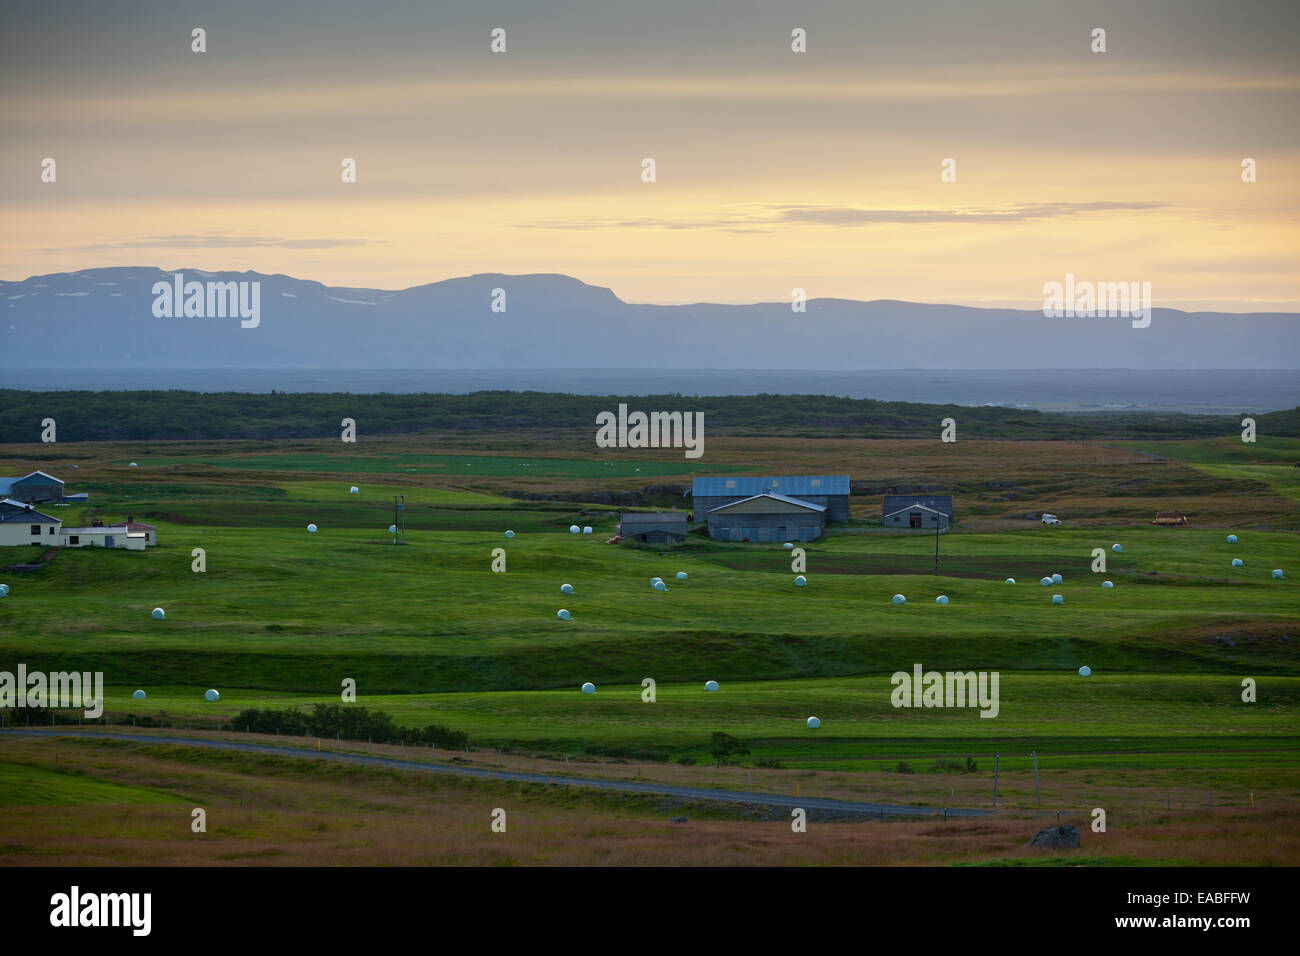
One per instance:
(904,767)
(769,763)
(348,723)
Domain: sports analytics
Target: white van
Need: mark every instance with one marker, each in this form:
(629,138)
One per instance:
(1050,519)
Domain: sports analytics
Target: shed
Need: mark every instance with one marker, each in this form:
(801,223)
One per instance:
(829,491)
(656,527)
(32,488)
(896,503)
(916,516)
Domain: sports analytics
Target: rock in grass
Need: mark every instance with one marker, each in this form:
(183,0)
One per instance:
(1064,837)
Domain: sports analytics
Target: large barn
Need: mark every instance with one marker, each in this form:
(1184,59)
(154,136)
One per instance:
(32,489)
(829,491)
(767,517)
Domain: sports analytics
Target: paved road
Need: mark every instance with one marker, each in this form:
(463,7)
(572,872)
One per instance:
(623,786)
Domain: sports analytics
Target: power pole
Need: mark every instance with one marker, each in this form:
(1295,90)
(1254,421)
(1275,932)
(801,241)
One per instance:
(936,543)
(399,518)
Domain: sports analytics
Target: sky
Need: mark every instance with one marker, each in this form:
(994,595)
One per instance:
(774,170)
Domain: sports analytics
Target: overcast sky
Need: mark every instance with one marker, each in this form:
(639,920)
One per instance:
(775,169)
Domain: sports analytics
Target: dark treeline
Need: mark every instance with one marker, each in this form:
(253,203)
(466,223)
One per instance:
(183,415)
(348,723)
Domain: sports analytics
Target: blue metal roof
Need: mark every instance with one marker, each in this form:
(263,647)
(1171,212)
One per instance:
(796,485)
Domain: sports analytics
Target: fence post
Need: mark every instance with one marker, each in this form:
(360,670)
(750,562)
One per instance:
(1038,793)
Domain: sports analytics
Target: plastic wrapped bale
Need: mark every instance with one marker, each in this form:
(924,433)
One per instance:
(788,546)
(563,614)
(1058,599)
(574,529)
(586,529)
(138,695)
(1277,574)
(1085,671)
(1238,563)
(566,588)
(392,529)
(660,586)
(941,599)
(899,599)
(510,534)
(1057,579)
(354,490)
(682,575)
(1107,584)
(211,695)
(159,614)
(132,465)
(311,529)
(589,688)
(1231,539)
(4,590)
(814,723)
(1117,548)
(800,581)
(1045,582)
(1010,581)
(710,685)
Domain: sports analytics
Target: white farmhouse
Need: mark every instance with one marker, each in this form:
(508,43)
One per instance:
(20,523)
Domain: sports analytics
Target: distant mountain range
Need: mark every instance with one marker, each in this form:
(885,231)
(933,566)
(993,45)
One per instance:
(104,319)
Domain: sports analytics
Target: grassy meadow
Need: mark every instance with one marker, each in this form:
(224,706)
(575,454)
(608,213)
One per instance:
(431,634)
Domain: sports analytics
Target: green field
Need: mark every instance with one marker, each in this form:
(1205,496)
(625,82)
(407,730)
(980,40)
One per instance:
(26,785)
(431,634)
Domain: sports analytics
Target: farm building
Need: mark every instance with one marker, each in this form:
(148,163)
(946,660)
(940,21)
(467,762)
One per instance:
(829,491)
(895,503)
(653,527)
(916,516)
(130,525)
(100,536)
(1170,518)
(32,489)
(767,517)
(20,523)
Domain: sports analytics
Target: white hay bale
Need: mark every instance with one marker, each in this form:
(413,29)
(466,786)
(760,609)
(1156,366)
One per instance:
(1117,548)
(1107,584)
(354,490)
(566,588)
(510,534)
(563,614)
(138,695)
(4,590)
(1057,579)
(800,581)
(1238,563)
(899,599)
(1085,671)
(814,723)
(1045,582)
(211,695)
(574,529)
(1010,581)
(589,688)
(788,546)
(1058,599)
(681,575)
(660,586)
(586,529)
(710,685)
(941,599)
(311,529)
(159,614)
(1277,574)
(392,529)
(1231,539)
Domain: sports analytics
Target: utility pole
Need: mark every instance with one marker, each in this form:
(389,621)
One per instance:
(936,543)
(399,518)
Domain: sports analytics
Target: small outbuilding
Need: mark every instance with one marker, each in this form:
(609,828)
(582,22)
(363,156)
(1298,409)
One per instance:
(916,516)
(767,517)
(658,527)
